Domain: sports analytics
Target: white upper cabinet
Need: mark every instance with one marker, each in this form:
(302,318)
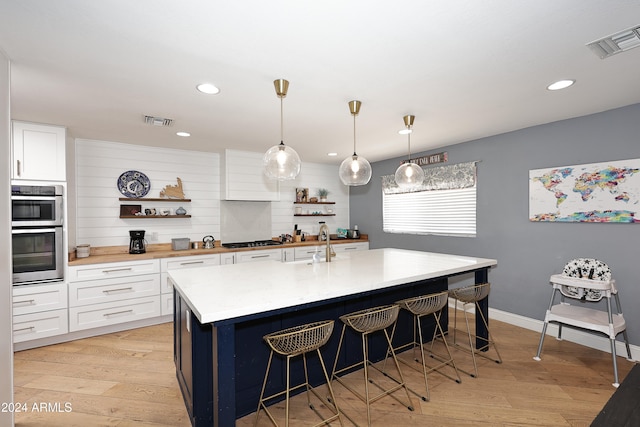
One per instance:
(243,178)
(38,152)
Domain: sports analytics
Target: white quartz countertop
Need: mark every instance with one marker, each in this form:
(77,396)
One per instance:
(217,293)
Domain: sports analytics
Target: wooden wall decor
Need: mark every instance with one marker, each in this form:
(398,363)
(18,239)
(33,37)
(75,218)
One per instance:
(173,191)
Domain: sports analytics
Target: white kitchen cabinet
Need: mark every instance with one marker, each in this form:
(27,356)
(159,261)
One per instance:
(228,258)
(32,326)
(39,311)
(113,289)
(167,264)
(111,313)
(350,247)
(261,255)
(39,297)
(288,254)
(38,152)
(243,178)
(113,269)
(306,252)
(113,293)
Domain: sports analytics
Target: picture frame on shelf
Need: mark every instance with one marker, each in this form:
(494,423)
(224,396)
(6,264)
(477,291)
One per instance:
(130,210)
(302,195)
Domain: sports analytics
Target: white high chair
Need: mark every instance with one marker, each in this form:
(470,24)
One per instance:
(587,280)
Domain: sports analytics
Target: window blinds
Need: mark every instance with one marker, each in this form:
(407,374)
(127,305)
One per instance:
(444,205)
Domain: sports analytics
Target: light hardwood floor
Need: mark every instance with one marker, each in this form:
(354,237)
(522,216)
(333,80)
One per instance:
(128,379)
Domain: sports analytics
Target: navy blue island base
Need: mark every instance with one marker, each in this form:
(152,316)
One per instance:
(220,365)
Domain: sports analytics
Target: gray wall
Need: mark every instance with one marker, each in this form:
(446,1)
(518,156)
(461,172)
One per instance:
(527,252)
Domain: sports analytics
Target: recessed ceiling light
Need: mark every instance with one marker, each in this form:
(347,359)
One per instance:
(332,154)
(183,133)
(560,84)
(208,88)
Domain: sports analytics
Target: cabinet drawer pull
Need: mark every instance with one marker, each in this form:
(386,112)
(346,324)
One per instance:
(109,291)
(117,269)
(349,249)
(27,329)
(117,313)
(192,262)
(25,302)
(18,167)
(260,256)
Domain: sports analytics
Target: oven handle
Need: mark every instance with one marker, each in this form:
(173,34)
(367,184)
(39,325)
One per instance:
(34,198)
(32,230)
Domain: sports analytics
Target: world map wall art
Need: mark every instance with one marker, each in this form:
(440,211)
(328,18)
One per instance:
(596,192)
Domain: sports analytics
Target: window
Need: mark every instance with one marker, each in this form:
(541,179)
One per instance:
(445,204)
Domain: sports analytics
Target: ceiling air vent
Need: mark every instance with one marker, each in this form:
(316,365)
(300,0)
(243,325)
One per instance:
(157,121)
(616,43)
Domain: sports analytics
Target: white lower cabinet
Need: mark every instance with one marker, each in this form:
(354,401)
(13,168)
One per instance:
(32,326)
(288,254)
(228,258)
(306,252)
(167,264)
(111,313)
(112,293)
(261,255)
(39,311)
(40,297)
(350,247)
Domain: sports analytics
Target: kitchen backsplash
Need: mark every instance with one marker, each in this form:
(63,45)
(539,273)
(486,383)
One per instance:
(98,164)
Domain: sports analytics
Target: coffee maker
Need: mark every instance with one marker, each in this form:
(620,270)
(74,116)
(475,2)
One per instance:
(137,244)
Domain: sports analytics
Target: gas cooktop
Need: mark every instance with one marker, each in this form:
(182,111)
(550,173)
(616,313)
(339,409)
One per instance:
(254,244)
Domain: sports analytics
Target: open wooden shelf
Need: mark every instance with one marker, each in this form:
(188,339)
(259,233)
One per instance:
(314,203)
(153,199)
(153,216)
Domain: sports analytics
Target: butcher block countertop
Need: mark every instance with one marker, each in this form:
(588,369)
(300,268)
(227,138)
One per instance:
(104,254)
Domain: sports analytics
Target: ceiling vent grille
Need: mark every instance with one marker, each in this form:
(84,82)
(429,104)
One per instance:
(157,121)
(616,43)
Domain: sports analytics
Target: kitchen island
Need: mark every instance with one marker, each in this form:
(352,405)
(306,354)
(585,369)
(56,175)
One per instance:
(222,312)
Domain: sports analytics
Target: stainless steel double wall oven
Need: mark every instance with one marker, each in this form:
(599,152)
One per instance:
(37,221)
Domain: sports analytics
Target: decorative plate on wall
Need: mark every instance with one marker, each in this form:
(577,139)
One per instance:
(134,184)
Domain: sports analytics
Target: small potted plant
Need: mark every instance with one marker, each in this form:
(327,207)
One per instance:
(323,193)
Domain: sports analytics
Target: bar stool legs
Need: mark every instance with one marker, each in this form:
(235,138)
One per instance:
(366,322)
(472,295)
(420,307)
(292,342)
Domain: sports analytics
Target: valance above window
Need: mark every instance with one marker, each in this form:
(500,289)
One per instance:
(445,204)
(450,177)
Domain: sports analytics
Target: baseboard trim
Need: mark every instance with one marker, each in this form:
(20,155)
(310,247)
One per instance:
(587,339)
(570,334)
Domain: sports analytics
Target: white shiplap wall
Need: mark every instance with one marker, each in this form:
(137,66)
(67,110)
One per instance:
(312,176)
(100,163)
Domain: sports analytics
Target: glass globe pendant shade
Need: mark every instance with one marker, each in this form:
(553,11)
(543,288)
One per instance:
(409,175)
(281,162)
(355,170)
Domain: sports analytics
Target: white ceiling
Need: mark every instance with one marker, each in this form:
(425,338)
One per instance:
(465,68)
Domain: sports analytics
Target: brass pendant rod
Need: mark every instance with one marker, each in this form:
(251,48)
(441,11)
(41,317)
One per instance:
(281,121)
(409,143)
(354,135)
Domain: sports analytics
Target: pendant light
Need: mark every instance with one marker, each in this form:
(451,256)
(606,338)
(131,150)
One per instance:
(409,174)
(355,170)
(281,162)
